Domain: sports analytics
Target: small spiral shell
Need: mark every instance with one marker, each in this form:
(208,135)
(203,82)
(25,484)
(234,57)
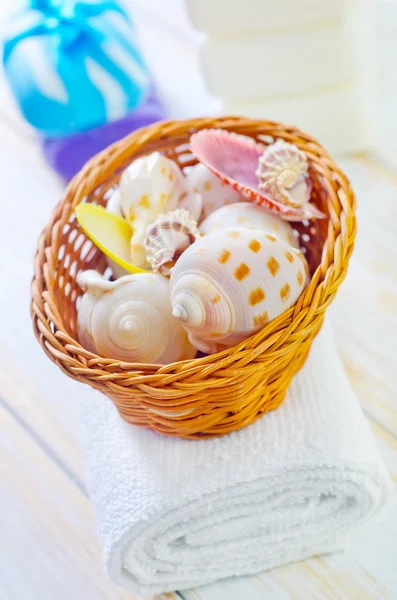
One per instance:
(232,282)
(167,237)
(237,161)
(130,319)
(283,174)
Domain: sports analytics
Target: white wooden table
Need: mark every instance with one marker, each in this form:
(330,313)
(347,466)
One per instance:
(48,544)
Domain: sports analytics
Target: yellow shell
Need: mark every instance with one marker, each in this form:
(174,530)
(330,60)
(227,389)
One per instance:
(232,282)
(110,233)
(252,216)
(149,186)
(130,319)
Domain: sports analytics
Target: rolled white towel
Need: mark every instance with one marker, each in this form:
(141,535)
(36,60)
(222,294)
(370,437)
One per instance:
(175,513)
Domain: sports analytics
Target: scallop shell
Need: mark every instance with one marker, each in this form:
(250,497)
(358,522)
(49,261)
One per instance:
(213,191)
(235,160)
(151,185)
(283,174)
(130,319)
(230,283)
(252,216)
(167,237)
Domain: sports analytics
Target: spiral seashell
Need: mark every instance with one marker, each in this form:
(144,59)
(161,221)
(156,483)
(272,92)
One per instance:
(252,216)
(130,319)
(167,237)
(213,191)
(149,186)
(234,159)
(230,283)
(283,174)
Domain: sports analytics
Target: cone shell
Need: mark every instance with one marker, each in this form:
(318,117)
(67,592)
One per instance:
(252,216)
(232,282)
(235,160)
(130,319)
(167,237)
(283,174)
(151,185)
(214,192)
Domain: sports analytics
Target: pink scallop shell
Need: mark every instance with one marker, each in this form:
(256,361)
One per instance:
(234,159)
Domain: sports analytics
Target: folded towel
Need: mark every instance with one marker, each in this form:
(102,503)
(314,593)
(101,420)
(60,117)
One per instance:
(176,513)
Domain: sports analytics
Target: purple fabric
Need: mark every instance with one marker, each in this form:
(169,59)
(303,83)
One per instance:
(68,155)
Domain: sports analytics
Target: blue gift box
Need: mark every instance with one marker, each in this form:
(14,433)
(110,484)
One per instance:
(74,65)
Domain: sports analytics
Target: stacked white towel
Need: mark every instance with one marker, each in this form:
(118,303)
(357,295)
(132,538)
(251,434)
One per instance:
(386,65)
(175,513)
(310,63)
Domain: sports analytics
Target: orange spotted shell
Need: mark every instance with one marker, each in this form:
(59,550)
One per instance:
(149,186)
(231,282)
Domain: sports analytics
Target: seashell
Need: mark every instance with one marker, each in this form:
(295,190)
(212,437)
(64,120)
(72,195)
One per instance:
(130,319)
(252,216)
(193,203)
(149,186)
(230,283)
(235,159)
(167,237)
(113,204)
(214,192)
(283,174)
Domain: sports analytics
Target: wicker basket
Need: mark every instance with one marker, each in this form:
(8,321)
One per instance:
(213,395)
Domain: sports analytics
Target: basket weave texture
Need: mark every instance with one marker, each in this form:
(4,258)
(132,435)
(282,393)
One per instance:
(216,394)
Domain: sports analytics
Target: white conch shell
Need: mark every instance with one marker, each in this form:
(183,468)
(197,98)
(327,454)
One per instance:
(149,186)
(283,174)
(231,282)
(130,319)
(213,191)
(167,237)
(253,216)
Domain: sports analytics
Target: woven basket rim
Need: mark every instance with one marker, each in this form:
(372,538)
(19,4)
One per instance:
(281,336)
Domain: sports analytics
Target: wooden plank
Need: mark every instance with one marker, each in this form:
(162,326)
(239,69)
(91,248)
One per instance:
(364,313)
(44,507)
(48,546)
(40,393)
